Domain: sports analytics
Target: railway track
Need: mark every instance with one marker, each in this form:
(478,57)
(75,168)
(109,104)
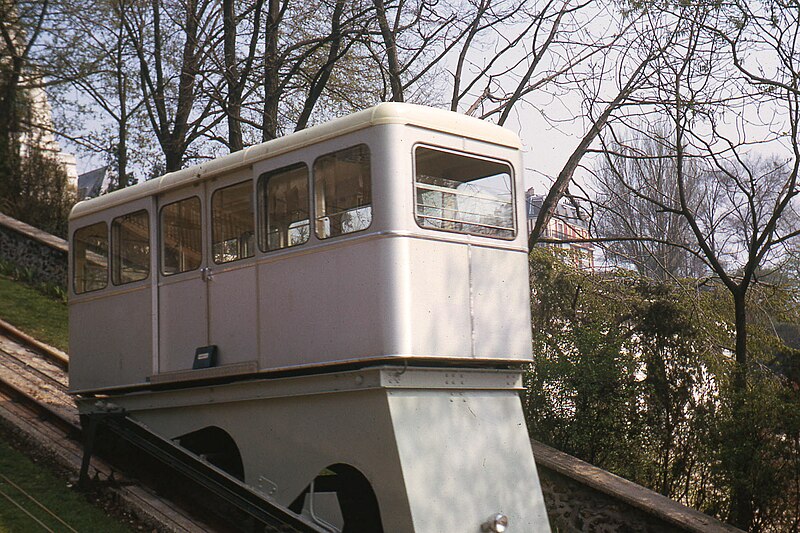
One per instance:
(34,401)
(34,398)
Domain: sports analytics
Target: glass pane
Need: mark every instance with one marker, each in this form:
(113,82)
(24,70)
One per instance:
(464,194)
(283,207)
(90,249)
(130,238)
(232,223)
(181,236)
(342,192)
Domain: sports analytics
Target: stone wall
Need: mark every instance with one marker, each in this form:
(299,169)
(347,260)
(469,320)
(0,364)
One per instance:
(574,507)
(580,497)
(43,255)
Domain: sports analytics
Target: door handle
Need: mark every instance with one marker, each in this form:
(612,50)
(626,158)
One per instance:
(207,274)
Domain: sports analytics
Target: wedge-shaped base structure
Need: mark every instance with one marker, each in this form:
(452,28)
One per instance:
(406,449)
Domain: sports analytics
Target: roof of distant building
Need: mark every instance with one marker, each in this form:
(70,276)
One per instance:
(90,184)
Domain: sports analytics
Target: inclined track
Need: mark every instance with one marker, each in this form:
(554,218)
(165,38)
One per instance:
(34,400)
(33,393)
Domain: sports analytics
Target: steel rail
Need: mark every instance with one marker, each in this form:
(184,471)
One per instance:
(28,513)
(50,353)
(30,368)
(57,421)
(40,408)
(217,482)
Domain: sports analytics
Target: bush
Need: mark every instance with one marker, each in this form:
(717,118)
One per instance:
(635,376)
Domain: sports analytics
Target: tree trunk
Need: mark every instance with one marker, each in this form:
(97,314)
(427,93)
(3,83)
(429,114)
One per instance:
(9,112)
(564,178)
(122,156)
(173,158)
(122,128)
(391,52)
(321,80)
(233,106)
(269,129)
(741,499)
(10,186)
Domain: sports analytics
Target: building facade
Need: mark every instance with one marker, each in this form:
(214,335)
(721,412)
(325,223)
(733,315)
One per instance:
(565,225)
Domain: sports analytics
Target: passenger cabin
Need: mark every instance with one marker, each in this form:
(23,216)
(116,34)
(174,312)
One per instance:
(393,234)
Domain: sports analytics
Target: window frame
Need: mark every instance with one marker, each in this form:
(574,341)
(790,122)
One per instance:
(160,221)
(261,208)
(313,193)
(75,291)
(506,163)
(114,248)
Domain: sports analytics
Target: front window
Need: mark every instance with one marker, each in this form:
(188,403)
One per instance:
(463,194)
(343,192)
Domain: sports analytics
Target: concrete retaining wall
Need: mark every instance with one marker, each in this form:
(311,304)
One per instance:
(38,252)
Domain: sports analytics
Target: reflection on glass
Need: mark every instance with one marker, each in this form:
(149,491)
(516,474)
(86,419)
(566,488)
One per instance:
(181,236)
(232,225)
(130,238)
(283,207)
(463,194)
(90,252)
(343,192)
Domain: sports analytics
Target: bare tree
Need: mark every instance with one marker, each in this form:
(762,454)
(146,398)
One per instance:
(725,109)
(305,44)
(173,41)
(596,125)
(658,242)
(237,71)
(98,62)
(389,36)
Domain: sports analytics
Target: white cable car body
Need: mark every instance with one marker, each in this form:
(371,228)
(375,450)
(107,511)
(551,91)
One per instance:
(353,296)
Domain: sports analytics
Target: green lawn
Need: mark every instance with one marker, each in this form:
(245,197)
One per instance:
(45,319)
(37,315)
(49,490)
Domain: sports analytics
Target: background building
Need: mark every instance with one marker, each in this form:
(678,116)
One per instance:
(565,225)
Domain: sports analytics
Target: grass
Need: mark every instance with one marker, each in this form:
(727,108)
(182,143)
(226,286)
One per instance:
(44,318)
(51,491)
(39,316)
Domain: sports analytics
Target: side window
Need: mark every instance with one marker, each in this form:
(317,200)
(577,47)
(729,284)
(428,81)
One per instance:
(342,192)
(283,207)
(455,192)
(232,223)
(130,244)
(90,254)
(181,236)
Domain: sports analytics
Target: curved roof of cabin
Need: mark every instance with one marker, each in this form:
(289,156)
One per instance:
(385,113)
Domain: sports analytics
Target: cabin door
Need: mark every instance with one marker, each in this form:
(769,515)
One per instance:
(231,269)
(182,292)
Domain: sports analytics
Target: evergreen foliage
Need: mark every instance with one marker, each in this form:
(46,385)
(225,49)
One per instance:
(635,376)
(35,190)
